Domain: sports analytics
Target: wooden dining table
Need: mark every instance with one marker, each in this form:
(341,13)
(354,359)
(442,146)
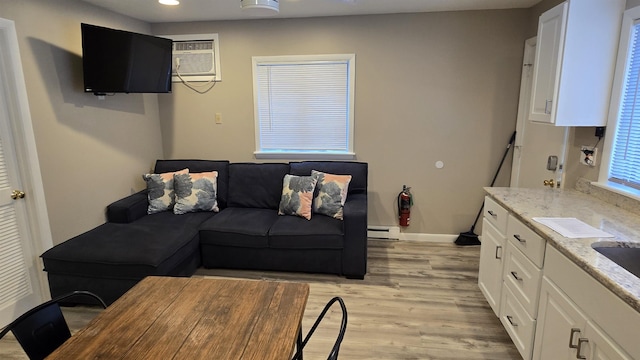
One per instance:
(195,318)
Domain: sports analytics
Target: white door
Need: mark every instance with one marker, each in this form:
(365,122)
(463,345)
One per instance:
(22,208)
(536,143)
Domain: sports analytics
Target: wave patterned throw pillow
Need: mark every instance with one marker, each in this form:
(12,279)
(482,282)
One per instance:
(160,191)
(297,196)
(196,192)
(332,194)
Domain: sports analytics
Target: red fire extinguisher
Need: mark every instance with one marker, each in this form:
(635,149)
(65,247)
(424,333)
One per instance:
(405,200)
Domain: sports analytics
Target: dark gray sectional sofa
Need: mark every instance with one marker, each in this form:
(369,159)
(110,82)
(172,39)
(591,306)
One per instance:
(247,233)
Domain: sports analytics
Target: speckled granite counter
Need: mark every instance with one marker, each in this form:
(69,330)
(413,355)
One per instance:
(526,204)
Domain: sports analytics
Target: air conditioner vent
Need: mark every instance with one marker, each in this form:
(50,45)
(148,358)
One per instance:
(195,57)
(193,45)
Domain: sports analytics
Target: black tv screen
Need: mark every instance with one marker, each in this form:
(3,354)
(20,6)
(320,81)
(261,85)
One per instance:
(117,61)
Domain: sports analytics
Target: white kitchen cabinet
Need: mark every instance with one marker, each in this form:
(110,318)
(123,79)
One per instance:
(551,27)
(571,325)
(494,228)
(564,332)
(490,273)
(575,62)
(521,276)
(519,324)
(560,325)
(596,345)
(511,255)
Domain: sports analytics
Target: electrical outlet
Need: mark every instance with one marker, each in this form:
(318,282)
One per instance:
(218,118)
(588,155)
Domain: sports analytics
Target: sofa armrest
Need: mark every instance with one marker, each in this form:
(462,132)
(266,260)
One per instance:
(354,259)
(128,209)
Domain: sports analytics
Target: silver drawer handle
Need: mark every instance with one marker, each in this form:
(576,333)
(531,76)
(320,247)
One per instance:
(578,353)
(510,319)
(519,238)
(498,248)
(515,276)
(492,213)
(571,336)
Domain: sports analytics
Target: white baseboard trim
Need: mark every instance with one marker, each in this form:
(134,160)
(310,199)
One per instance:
(433,238)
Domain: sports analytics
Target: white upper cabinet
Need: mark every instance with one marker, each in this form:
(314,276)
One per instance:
(575,62)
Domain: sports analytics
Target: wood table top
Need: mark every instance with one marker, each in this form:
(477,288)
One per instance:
(194,318)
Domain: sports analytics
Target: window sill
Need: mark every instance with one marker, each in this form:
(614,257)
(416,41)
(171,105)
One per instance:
(304,155)
(618,189)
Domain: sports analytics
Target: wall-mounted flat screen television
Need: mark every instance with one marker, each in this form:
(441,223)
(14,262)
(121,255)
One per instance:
(117,61)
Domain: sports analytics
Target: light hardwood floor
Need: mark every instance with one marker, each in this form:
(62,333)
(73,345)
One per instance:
(418,301)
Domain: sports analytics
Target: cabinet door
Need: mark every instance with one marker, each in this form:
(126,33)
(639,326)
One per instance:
(596,345)
(560,325)
(490,273)
(551,27)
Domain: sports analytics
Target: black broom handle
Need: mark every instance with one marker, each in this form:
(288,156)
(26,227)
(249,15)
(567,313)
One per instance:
(513,138)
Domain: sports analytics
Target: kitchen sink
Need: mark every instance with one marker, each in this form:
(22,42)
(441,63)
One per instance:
(625,256)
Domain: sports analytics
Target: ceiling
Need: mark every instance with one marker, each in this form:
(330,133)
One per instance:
(202,10)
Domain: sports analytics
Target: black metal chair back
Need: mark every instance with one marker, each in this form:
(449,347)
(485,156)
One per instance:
(333,355)
(43,329)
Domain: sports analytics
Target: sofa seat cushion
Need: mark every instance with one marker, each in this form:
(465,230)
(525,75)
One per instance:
(239,227)
(293,232)
(153,245)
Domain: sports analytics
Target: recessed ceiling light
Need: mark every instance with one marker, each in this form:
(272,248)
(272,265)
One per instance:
(169,2)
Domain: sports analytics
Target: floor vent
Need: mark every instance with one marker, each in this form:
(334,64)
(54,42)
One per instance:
(383,232)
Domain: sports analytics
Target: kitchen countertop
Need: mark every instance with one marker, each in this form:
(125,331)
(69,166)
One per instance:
(526,204)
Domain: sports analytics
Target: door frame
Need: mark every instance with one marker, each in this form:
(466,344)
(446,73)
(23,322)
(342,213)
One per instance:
(524,102)
(24,145)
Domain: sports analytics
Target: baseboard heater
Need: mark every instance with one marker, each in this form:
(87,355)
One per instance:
(383,232)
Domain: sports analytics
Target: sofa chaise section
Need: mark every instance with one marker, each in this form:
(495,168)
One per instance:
(111,258)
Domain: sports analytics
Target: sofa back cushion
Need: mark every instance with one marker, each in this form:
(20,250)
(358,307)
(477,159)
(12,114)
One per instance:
(358,171)
(253,185)
(200,166)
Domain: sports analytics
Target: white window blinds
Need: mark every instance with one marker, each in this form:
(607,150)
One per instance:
(303,105)
(625,153)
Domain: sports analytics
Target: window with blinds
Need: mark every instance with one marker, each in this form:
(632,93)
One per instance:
(303,106)
(625,152)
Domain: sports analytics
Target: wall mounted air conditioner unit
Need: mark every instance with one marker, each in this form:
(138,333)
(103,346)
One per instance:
(196,57)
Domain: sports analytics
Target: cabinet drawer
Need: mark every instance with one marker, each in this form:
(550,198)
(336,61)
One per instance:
(519,325)
(523,279)
(495,214)
(527,241)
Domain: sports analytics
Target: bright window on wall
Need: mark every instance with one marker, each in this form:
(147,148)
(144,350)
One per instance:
(303,106)
(623,135)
